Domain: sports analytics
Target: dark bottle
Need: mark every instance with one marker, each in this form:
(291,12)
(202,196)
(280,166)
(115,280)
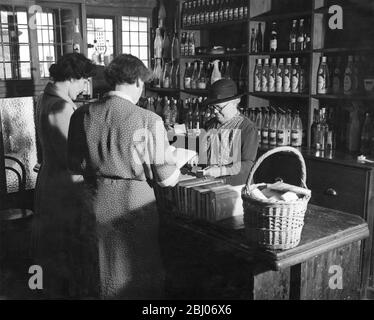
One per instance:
(259,39)
(184,13)
(366,135)
(184,44)
(212,10)
(217,11)
(313,130)
(175,47)
(253,41)
(300,36)
(265,128)
(195,75)
(221,14)
(274,37)
(293,37)
(226,10)
(236,5)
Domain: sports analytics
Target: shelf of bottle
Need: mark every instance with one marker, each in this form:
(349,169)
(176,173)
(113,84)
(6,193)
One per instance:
(325,9)
(196,92)
(271,16)
(344,50)
(279,95)
(281,53)
(214,56)
(343,97)
(163,90)
(214,25)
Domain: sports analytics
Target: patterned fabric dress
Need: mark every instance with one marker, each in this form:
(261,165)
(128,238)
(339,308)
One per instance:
(121,149)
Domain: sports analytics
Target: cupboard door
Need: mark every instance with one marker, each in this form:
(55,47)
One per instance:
(337,187)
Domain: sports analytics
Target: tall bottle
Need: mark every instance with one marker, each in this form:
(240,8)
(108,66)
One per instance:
(353,130)
(188,75)
(191,44)
(366,135)
(253,41)
(227,74)
(166,52)
(166,77)
(314,129)
(293,37)
(158,44)
(195,76)
(348,77)
(242,77)
(167,113)
(295,79)
(76,37)
(288,127)
(303,84)
(281,130)
(202,78)
(265,128)
(259,39)
(273,129)
(297,131)
(279,76)
(272,74)
(258,123)
(322,130)
(157,74)
(300,36)
(175,76)
(216,74)
(322,76)
(175,47)
(274,37)
(356,75)
(337,76)
(95,55)
(161,15)
(287,76)
(265,76)
(173,111)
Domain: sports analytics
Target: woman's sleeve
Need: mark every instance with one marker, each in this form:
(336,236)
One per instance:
(162,154)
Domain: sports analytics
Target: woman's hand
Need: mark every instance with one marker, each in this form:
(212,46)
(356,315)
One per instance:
(213,172)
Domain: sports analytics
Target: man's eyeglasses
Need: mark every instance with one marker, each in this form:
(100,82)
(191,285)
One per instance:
(214,107)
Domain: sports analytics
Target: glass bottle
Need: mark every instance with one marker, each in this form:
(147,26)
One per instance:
(303,84)
(158,44)
(297,131)
(166,47)
(212,11)
(188,75)
(76,37)
(287,76)
(281,130)
(166,77)
(167,113)
(300,36)
(202,78)
(314,128)
(272,74)
(161,15)
(191,44)
(157,74)
(175,47)
(273,129)
(295,79)
(195,75)
(216,74)
(95,55)
(221,10)
(258,76)
(253,41)
(227,73)
(158,107)
(366,135)
(322,76)
(242,76)
(175,76)
(288,127)
(265,76)
(279,76)
(173,111)
(293,37)
(274,38)
(259,124)
(337,76)
(265,128)
(348,77)
(184,13)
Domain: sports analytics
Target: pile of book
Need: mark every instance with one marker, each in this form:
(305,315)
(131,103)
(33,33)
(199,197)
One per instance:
(204,198)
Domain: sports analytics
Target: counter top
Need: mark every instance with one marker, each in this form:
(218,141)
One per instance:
(324,230)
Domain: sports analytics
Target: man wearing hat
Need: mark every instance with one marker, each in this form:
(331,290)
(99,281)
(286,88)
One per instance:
(231,140)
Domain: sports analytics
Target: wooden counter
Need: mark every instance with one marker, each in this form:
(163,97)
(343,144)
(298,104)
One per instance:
(214,261)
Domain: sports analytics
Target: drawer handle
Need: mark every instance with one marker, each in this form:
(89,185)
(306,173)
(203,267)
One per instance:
(331,192)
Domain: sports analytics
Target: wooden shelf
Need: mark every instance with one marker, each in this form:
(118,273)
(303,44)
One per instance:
(281,53)
(215,25)
(196,92)
(343,97)
(279,95)
(162,90)
(345,50)
(271,16)
(213,56)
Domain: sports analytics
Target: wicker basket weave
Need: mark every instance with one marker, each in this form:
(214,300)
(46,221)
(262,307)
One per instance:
(269,224)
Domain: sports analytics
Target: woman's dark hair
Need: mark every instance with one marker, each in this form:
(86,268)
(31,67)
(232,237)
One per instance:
(72,66)
(126,68)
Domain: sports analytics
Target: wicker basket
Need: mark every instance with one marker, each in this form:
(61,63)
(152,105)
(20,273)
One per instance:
(269,224)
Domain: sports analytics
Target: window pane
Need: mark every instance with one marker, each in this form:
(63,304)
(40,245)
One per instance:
(44,19)
(51,36)
(108,24)
(23,35)
(45,34)
(143,53)
(6,53)
(39,35)
(8,71)
(134,51)
(126,38)
(109,36)
(134,26)
(125,24)
(90,23)
(134,40)
(4,17)
(143,39)
(99,24)
(1,55)
(143,26)
(21,18)
(90,37)
(125,49)
(2,75)
(5,35)
(25,70)
(24,53)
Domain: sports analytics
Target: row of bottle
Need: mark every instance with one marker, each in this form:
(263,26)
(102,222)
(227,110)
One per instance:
(323,134)
(335,77)
(277,127)
(200,12)
(188,45)
(168,108)
(101,53)
(298,39)
(164,48)
(166,75)
(197,114)
(281,78)
(200,75)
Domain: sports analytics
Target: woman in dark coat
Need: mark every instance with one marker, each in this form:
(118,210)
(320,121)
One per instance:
(122,150)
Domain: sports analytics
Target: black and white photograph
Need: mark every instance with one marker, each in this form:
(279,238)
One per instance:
(186,155)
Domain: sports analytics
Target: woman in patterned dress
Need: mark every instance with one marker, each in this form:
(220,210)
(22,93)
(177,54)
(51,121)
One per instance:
(62,221)
(122,150)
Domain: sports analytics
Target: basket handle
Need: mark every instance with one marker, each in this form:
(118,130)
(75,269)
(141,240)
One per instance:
(277,150)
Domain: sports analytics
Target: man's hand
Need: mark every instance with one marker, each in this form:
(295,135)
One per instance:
(194,161)
(213,171)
